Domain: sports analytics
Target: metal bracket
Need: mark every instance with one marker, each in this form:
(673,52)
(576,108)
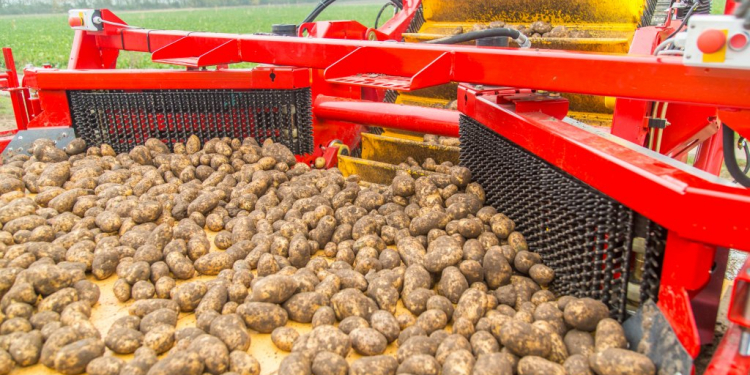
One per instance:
(649,333)
(24,138)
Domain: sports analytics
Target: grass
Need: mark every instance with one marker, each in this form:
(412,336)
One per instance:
(46,39)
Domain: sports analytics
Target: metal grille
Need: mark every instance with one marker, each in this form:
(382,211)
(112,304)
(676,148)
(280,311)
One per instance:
(656,242)
(417,22)
(648,13)
(585,236)
(125,119)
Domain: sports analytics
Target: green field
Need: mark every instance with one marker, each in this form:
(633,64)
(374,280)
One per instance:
(42,39)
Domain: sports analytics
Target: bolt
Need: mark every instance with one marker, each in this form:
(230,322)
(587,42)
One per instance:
(479,87)
(20,137)
(692,26)
(64,135)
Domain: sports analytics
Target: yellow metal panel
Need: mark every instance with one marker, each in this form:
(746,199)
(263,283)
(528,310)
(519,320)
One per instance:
(373,171)
(397,150)
(554,11)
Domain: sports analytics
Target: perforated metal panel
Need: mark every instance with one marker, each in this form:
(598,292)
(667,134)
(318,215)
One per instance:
(125,119)
(585,236)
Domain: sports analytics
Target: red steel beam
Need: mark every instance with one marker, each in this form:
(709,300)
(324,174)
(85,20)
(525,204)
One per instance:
(635,77)
(410,118)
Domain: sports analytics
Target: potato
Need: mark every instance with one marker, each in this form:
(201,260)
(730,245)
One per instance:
(460,362)
(326,363)
(444,252)
(74,357)
(243,363)
(295,364)
(585,313)
(577,365)
(609,334)
(523,339)
(262,316)
(579,342)
(231,330)
(106,365)
(156,318)
(212,352)
(368,341)
(284,338)
(452,284)
(497,270)
(144,307)
(432,320)
(189,295)
(385,323)
(471,306)
(419,364)
(532,365)
(213,263)
(274,289)
(302,306)
(180,362)
(376,365)
(542,274)
(614,361)
(417,345)
(483,342)
(123,340)
(26,348)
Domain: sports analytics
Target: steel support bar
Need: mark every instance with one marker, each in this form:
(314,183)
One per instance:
(16,92)
(635,77)
(680,198)
(387,115)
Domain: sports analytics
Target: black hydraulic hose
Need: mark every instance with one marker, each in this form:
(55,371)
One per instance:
(474,35)
(318,9)
(380,14)
(730,159)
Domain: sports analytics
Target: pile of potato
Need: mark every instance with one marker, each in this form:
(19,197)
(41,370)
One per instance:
(538,29)
(420,263)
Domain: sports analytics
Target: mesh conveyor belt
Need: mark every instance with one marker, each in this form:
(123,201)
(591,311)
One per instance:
(585,236)
(124,119)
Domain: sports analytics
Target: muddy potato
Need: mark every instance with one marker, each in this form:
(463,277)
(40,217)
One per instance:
(274,289)
(585,313)
(123,340)
(231,330)
(542,274)
(609,334)
(26,348)
(483,342)
(180,362)
(213,263)
(302,306)
(417,345)
(523,339)
(189,295)
(420,364)
(107,365)
(368,341)
(376,365)
(156,318)
(614,361)
(444,252)
(142,290)
(385,323)
(143,307)
(164,286)
(295,364)
(263,317)
(533,365)
(577,365)
(58,339)
(472,305)
(73,358)
(579,342)
(284,338)
(524,260)
(243,363)
(493,364)
(460,362)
